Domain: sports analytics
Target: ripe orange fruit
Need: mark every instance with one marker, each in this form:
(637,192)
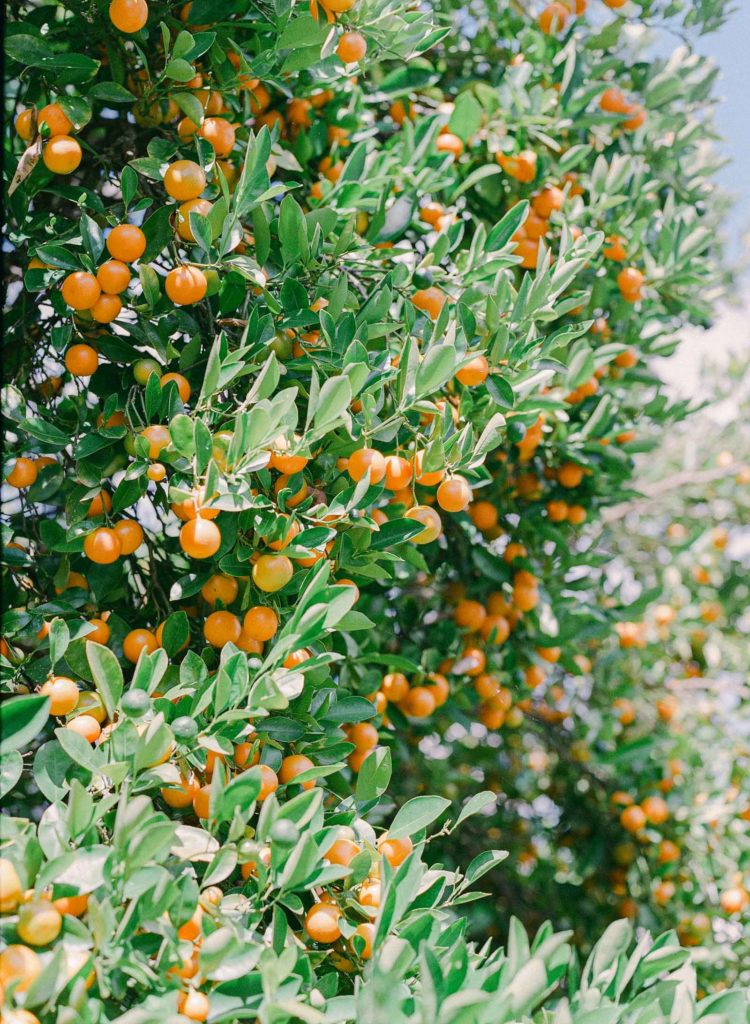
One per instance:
(269,782)
(194,1005)
(395,686)
(429,518)
(81,360)
(113,277)
(419,702)
(185,285)
(260,623)
(126,243)
(39,923)
(23,474)
(454,495)
(395,851)
(656,809)
(23,124)
(484,515)
(63,693)
(100,633)
(62,154)
(570,474)
(158,438)
(369,893)
(474,372)
(130,535)
(363,735)
(56,120)
(430,301)
(182,220)
(272,572)
(221,628)
(447,142)
(106,309)
(352,47)
(80,290)
(102,546)
(183,386)
(365,931)
(11,889)
(200,538)
(86,726)
(138,640)
(322,923)
(184,179)
(553,18)
(364,459)
(426,479)
(470,615)
(219,133)
(630,281)
(128,16)
(615,249)
(19,965)
(294,765)
(734,900)
(547,201)
(220,588)
(398,472)
(633,818)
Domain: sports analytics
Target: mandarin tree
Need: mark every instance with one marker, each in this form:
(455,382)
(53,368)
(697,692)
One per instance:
(312,336)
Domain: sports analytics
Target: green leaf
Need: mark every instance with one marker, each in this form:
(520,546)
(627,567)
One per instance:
(21,719)
(11,766)
(107,675)
(374,775)
(416,814)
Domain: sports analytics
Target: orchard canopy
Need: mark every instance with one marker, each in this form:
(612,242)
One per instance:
(328,368)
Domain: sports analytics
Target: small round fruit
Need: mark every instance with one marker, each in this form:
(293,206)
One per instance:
(261,623)
(364,459)
(395,851)
(39,923)
(474,372)
(220,588)
(130,535)
(23,474)
(81,360)
(184,180)
(352,47)
(183,386)
(126,243)
(81,290)
(63,695)
(272,572)
(138,640)
(366,932)
(102,546)
(11,889)
(186,285)
(429,519)
(128,16)
(56,120)
(322,923)
(113,277)
(20,966)
(62,154)
(454,495)
(221,628)
(294,765)
(200,538)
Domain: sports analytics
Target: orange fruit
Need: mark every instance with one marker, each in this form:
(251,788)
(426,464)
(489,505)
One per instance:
(395,851)
(474,372)
(430,301)
(56,120)
(429,519)
(86,726)
(113,277)
(200,538)
(454,495)
(102,546)
(63,695)
(553,18)
(100,633)
(219,133)
(138,640)
(194,1005)
(128,16)
(365,931)
(126,243)
(185,285)
(81,360)
(269,782)
(23,126)
(221,628)
(352,47)
(23,474)
(395,686)
(80,290)
(184,179)
(182,221)
(322,923)
(260,623)
(62,154)
(183,386)
(20,966)
(220,588)
(294,765)
(106,309)
(364,459)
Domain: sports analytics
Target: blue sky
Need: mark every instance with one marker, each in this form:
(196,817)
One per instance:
(729,49)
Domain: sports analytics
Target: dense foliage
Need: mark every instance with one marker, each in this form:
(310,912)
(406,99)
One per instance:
(328,332)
